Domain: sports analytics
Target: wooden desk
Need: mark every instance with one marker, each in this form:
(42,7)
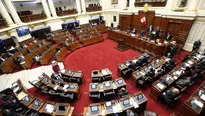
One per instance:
(29,57)
(142,71)
(39,105)
(138,43)
(47,55)
(8,65)
(92,40)
(60,55)
(72,76)
(117,106)
(73,46)
(190,108)
(158,87)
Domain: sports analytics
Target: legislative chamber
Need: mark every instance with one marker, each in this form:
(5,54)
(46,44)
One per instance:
(102,58)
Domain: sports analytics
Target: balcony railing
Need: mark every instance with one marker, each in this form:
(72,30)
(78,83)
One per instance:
(66,12)
(33,17)
(3,24)
(93,7)
(153,4)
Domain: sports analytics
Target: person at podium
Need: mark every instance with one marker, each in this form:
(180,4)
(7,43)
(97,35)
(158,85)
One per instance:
(149,31)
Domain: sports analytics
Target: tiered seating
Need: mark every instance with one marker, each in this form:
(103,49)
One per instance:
(152,71)
(126,69)
(188,71)
(55,88)
(35,106)
(61,12)
(28,16)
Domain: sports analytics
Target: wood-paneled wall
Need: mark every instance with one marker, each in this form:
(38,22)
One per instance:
(179,28)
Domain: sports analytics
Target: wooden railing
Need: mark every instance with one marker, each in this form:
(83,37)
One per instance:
(66,12)
(3,24)
(34,17)
(93,8)
(153,4)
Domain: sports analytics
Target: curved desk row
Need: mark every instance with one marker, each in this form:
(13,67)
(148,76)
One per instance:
(137,102)
(195,105)
(92,40)
(41,106)
(144,70)
(138,43)
(123,66)
(158,87)
(101,75)
(56,88)
(29,57)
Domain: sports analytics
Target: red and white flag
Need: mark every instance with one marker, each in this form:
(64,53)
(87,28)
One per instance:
(143,20)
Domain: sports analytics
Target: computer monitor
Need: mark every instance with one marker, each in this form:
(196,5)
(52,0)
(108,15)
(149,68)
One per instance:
(140,96)
(72,86)
(27,98)
(137,73)
(61,107)
(94,108)
(93,86)
(146,69)
(153,65)
(53,82)
(69,71)
(36,103)
(95,72)
(126,102)
(119,81)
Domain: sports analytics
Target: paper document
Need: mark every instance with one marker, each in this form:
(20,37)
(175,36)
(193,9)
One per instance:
(63,71)
(65,87)
(49,108)
(202,97)
(21,95)
(56,87)
(160,86)
(198,103)
(132,102)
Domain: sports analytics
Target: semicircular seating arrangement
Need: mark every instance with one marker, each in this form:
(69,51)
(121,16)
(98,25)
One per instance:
(34,106)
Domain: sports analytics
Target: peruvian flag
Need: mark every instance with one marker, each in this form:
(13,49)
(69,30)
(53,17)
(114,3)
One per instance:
(143,20)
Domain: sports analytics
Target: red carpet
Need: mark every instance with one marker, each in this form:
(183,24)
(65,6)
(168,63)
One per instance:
(104,55)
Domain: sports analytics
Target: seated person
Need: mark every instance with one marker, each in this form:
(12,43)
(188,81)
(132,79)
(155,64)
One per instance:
(168,37)
(196,45)
(142,33)
(134,31)
(122,92)
(150,73)
(172,49)
(171,93)
(187,72)
(128,29)
(130,113)
(144,60)
(166,80)
(184,82)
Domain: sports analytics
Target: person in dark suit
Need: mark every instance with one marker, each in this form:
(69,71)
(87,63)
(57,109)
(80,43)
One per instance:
(151,73)
(149,31)
(172,49)
(142,33)
(112,25)
(196,45)
(171,93)
(165,80)
(157,33)
(130,113)
(168,37)
(134,31)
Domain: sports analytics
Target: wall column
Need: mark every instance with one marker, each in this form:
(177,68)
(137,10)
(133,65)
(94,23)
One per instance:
(5,14)
(192,6)
(45,8)
(52,8)
(78,7)
(170,4)
(83,6)
(132,4)
(12,11)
